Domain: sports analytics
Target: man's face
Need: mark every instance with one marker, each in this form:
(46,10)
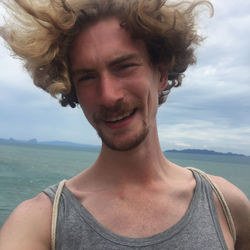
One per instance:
(115,83)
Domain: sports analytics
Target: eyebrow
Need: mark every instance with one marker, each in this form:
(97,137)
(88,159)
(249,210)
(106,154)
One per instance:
(125,58)
(116,61)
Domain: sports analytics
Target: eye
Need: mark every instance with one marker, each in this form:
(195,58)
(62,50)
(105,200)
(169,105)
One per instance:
(86,78)
(127,66)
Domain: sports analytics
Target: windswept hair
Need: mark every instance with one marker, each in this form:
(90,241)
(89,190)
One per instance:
(40,32)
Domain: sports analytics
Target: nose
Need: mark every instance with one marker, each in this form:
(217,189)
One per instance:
(110,90)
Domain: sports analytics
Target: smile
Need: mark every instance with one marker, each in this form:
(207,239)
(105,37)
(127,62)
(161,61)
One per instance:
(121,117)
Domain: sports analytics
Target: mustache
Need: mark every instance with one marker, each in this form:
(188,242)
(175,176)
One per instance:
(118,109)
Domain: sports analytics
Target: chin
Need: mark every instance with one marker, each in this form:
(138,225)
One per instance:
(126,143)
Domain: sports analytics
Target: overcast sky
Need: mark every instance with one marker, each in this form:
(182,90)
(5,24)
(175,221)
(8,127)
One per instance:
(210,111)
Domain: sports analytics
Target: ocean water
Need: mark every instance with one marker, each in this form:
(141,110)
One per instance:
(25,170)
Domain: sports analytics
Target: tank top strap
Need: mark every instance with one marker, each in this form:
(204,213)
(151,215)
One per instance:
(221,199)
(55,213)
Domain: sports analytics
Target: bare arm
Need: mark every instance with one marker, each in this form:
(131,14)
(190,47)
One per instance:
(239,206)
(28,227)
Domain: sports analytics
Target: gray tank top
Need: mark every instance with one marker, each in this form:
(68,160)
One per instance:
(198,229)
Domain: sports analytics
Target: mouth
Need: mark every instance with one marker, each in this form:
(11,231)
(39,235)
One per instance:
(121,117)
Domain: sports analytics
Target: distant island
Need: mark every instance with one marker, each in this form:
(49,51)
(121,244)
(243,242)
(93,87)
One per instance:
(72,144)
(53,143)
(203,151)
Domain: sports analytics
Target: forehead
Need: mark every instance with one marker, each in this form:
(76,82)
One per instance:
(102,42)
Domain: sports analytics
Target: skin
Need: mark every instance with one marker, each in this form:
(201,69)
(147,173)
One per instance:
(114,78)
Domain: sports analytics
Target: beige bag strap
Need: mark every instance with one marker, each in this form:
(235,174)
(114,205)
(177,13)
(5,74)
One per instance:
(222,201)
(55,214)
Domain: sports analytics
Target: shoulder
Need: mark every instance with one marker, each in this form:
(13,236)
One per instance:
(239,206)
(28,226)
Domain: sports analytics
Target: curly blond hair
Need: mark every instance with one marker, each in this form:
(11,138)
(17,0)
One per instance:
(40,32)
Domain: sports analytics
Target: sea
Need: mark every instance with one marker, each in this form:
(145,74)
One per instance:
(26,169)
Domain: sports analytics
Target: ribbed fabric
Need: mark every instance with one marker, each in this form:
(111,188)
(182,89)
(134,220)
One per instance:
(198,229)
(222,201)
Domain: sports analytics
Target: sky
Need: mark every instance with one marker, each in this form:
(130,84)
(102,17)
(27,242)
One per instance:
(210,111)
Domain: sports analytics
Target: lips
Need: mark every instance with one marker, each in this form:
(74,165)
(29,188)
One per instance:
(122,117)
(117,116)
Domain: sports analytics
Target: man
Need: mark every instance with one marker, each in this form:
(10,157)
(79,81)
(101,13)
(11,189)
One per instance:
(115,58)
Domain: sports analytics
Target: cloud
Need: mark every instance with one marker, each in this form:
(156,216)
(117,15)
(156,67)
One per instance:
(204,134)
(181,144)
(210,110)
(212,107)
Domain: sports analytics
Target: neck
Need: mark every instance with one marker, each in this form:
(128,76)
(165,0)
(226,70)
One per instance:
(142,165)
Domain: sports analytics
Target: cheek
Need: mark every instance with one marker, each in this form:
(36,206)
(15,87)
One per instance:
(87,102)
(85,96)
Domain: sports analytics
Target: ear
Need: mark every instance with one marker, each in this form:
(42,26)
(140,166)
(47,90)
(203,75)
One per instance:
(163,78)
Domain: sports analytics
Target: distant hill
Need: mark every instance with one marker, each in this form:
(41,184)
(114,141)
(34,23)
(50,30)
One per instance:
(53,143)
(11,140)
(203,151)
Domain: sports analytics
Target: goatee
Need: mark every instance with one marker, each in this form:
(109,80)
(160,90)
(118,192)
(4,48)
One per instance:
(120,108)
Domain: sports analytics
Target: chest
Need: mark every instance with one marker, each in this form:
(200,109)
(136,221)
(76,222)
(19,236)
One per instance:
(138,216)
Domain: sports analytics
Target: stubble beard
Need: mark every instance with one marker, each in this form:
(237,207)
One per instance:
(125,144)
